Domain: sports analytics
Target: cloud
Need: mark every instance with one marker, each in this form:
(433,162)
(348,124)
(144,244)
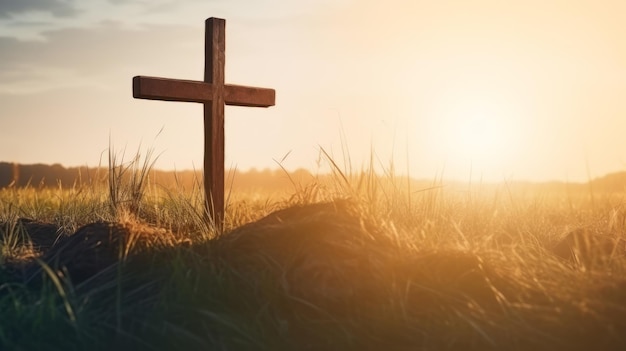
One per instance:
(89,54)
(58,8)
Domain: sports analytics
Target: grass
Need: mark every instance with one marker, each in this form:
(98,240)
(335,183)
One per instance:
(359,262)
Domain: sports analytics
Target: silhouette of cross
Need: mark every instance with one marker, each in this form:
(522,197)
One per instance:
(214,94)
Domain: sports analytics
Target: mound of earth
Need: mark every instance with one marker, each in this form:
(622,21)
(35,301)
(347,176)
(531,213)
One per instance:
(82,255)
(327,250)
(40,234)
(329,254)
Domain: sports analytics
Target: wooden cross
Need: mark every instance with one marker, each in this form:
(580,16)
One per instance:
(214,94)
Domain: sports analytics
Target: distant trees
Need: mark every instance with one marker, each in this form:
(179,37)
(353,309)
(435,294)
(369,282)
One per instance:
(6,174)
(41,175)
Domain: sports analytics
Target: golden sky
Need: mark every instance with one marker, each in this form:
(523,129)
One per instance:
(498,90)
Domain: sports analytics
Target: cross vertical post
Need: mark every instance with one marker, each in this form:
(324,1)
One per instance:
(214,64)
(214,94)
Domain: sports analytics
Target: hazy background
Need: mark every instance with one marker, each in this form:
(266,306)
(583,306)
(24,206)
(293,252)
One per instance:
(532,90)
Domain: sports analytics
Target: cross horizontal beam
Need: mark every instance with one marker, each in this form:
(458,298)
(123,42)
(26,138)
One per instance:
(153,88)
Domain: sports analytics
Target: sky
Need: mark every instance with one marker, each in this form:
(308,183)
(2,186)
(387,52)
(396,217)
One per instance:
(476,89)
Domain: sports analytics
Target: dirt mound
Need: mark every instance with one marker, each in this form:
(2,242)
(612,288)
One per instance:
(328,254)
(315,245)
(41,235)
(82,255)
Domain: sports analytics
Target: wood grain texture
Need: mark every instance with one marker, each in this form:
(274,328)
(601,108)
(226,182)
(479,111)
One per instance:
(167,89)
(215,57)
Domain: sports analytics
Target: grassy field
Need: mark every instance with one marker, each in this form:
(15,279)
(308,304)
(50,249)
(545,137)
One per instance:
(359,262)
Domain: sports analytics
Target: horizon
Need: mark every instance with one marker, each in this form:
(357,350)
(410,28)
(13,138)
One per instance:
(528,91)
(277,171)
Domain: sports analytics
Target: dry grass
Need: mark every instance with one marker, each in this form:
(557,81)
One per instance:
(361,262)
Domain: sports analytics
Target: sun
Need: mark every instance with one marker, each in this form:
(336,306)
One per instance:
(472,125)
(478,135)
(482,134)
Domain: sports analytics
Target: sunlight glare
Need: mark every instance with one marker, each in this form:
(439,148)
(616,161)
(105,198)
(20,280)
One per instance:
(480,134)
